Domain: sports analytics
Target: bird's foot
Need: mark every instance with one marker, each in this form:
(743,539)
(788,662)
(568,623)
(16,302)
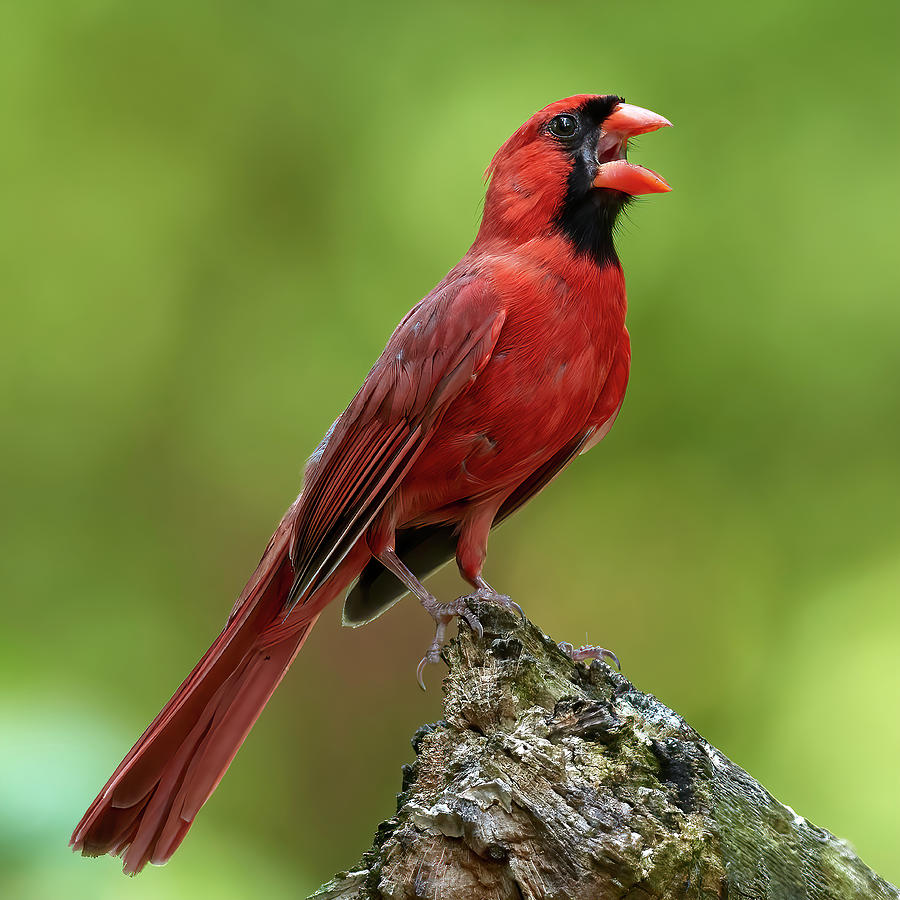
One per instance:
(589,651)
(485,592)
(444,613)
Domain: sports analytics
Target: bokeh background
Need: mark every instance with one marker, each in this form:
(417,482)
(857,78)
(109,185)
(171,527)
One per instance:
(213,215)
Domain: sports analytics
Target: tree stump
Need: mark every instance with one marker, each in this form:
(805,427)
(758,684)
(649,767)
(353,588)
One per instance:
(552,779)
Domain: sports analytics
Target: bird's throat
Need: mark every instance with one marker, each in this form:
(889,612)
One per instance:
(587,218)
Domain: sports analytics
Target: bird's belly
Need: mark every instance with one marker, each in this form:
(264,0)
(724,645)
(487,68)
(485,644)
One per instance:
(519,412)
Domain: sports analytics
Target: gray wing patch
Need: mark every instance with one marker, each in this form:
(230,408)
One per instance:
(424,550)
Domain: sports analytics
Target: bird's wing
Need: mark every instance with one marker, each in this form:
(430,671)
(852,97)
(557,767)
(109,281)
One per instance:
(432,357)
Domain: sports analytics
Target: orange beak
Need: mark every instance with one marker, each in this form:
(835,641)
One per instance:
(614,171)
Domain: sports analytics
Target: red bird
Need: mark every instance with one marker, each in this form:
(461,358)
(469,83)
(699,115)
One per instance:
(512,366)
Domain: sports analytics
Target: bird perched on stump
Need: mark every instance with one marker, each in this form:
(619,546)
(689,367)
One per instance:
(490,386)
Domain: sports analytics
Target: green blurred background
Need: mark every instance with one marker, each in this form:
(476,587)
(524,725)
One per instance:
(213,215)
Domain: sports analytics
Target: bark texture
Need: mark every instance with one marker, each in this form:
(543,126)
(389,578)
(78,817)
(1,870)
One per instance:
(549,779)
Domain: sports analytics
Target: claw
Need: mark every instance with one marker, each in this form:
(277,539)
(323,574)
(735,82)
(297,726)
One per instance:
(472,621)
(432,656)
(609,655)
(420,670)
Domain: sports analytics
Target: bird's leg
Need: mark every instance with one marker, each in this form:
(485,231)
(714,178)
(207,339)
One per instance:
(471,551)
(589,651)
(442,613)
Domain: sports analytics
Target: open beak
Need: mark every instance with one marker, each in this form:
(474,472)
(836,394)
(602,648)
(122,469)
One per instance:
(614,171)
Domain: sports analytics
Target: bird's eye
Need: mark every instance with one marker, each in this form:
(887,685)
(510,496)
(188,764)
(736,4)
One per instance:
(563,126)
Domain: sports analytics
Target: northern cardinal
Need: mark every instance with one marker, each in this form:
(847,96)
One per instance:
(491,385)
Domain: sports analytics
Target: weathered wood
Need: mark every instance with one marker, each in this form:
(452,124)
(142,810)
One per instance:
(549,779)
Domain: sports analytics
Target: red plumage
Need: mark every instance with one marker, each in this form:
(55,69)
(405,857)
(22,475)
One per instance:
(516,362)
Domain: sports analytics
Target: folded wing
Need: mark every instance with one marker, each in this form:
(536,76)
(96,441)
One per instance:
(433,356)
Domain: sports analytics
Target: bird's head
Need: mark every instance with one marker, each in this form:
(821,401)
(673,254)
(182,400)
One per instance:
(566,170)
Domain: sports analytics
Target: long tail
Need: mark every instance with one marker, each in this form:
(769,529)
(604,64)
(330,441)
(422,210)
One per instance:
(149,803)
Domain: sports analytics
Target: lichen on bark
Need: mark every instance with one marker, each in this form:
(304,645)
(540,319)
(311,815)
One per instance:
(551,779)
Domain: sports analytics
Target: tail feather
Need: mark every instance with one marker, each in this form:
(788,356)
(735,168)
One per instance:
(149,803)
(188,778)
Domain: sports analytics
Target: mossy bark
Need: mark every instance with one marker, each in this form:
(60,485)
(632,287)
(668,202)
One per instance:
(549,779)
